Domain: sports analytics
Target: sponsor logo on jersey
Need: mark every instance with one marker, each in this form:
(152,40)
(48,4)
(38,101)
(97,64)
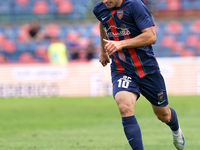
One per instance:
(120,14)
(121,31)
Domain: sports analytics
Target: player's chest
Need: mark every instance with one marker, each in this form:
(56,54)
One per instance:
(117,23)
(120,16)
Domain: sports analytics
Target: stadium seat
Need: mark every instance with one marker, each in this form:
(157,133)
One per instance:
(84,42)
(185,5)
(5,7)
(97,40)
(185,31)
(195,27)
(160,30)
(22,2)
(188,53)
(192,41)
(15,30)
(80,11)
(173,5)
(64,29)
(22,47)
(168,41)
(190,4)
(177,49)
(40,7)
(26,57)
(3,58)
(52,30)
(8,46)
(95,29)
(174,27)
(64,7)
(52,8)
(9,34)
(41,53)
(166,45)
(23,36)
(23,33)
(57,1)
(13,58)
(72,36)
(162,5)
(22,7)
(2,38)
(198,49)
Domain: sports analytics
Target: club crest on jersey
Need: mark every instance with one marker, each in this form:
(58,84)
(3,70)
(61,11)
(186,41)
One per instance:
(120,14)
(160,95)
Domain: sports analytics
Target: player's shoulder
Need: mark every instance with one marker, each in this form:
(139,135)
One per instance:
(135,3)
(98,7)
(132,1)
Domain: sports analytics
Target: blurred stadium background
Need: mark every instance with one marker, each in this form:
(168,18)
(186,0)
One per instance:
(29,68)
(75,115)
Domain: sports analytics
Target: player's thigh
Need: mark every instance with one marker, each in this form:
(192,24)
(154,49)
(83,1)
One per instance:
(126,97)
(125,92)
(126,102)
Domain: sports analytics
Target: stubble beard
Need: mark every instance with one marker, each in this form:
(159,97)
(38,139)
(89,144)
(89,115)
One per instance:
(111,4)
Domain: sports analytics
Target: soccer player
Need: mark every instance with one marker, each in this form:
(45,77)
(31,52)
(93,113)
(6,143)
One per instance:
(126,34)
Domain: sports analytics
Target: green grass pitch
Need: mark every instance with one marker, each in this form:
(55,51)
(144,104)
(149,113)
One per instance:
(87,123)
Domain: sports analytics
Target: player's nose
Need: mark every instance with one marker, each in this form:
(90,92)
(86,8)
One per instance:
(104,1)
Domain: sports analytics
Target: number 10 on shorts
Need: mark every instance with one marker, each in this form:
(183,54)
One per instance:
(124,82)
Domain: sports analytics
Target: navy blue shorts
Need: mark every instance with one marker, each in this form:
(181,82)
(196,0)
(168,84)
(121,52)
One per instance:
(152,86)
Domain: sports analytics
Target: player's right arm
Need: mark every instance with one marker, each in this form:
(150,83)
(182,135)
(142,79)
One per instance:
(103,56)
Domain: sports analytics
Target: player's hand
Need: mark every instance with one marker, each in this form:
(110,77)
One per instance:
(104,59)
(112,46)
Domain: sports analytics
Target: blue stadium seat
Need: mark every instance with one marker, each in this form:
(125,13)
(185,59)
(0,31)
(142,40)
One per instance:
(160,28)
(5,7)
(163,52)
(162,5)
(63,31)
(185,31)
(194,4)
(189,4)
(86,30)
(22,47)
(52,8)
(21,9)
(11,32)
(13,57)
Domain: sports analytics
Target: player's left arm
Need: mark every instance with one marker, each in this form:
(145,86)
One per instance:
(147,37)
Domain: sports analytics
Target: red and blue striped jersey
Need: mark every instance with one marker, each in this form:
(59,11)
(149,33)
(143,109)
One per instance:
(124,22)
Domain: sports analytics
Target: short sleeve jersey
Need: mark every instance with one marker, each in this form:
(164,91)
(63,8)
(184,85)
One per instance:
(125,22)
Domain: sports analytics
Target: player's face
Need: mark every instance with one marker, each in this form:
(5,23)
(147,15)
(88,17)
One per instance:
(112,3)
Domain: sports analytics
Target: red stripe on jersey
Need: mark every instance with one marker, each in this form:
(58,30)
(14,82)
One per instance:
(120,68)
(116,38)
(112,13)
(136,60)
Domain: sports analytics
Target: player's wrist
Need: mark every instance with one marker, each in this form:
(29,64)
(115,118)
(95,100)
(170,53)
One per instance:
(123,44)
(103,51)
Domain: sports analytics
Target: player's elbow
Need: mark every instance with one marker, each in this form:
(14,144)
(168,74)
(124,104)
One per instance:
(150,35)
(153,39)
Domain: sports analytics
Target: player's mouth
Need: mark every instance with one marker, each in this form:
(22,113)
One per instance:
(109,4)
